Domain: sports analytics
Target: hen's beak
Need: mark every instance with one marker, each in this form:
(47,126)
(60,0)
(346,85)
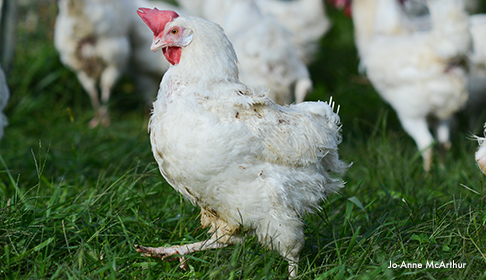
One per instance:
(157,44)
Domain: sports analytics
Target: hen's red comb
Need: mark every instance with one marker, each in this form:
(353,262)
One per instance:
(156,19)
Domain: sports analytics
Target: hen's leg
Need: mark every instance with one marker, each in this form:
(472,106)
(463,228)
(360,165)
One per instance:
(282,230)
(293,267)
(165,252)
(418,129)
(443,134)
(108,79)
(89,85)
(443,137)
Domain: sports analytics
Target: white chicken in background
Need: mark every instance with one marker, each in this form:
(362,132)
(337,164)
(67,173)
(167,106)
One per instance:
(8,23)
(265,51)
(98,40)
(305,19)
(92,39)
(420,74)
(267,57)
(251,165)
(371,18)
(419,18)
(4,96)
(7,39)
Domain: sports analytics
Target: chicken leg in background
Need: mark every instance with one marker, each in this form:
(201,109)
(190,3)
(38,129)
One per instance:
(4,96)
(421,74)
(268,59)
(251,165)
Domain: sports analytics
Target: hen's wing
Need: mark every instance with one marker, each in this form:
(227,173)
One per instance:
(296,135)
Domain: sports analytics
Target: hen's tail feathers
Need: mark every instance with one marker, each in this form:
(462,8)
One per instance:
(333,105)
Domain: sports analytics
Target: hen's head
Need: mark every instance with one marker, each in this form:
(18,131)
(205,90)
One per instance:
(168,36)
(193,43)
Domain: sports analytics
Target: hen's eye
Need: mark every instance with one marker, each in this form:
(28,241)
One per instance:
(174,31)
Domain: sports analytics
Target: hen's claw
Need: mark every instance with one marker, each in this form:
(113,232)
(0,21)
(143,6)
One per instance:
(183,263)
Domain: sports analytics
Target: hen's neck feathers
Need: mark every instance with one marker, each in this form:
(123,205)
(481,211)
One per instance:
(209,58)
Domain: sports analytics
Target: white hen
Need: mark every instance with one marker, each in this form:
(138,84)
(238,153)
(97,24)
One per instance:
(4,96)
(247,162)
(91,38)
(264,48)
(419,18)
(98,40)
(266,54)
(305,19)
(419,73)
(8,23)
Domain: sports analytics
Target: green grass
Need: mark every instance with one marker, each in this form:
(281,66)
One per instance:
(74,201)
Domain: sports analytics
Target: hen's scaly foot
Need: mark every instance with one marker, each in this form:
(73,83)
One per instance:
(159,252)
(163,253)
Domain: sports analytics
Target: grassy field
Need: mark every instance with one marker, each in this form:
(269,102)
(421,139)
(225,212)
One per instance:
(74,201)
